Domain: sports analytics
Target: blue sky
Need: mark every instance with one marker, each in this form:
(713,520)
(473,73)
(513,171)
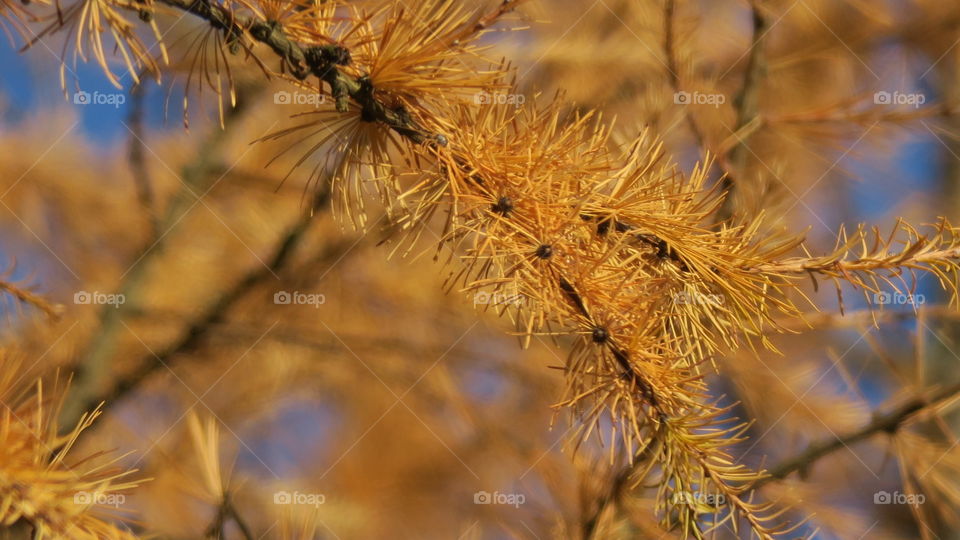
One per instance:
(32,80)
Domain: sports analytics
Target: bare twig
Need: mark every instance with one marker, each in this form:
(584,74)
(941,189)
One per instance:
(673,68)
(137,159)
(239,522)
(215,312)
(747,105)
(885,423)
(93,366)
(676,84)
(227,511)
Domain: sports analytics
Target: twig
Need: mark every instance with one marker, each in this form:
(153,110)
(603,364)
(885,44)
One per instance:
(214,313)
(886,423)
(215,529)
(747,105)
(227,511)
(673,68)
(239,522)
(673,74)
(829,266)
(322,61)
(25,296)
(137,160)
(93,367)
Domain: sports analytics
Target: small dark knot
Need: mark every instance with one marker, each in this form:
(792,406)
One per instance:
(545,251)
(322,55)
(503,206)
(600,335)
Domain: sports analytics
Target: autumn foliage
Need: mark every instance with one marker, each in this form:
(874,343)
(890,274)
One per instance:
(297,269)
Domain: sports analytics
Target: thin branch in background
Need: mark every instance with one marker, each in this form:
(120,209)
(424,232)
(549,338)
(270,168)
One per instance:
(676,83)
(747,106)
(214,313)
(673,68)
(93,365)
(226,512)
(24,295)
(139,169)
(884,423)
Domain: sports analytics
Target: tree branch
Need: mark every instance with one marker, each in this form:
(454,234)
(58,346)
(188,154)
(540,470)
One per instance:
(93,366)
(885,423)
(673,68)
(322,61)
(137,160)
(215,312)
(747,105)
(834,267)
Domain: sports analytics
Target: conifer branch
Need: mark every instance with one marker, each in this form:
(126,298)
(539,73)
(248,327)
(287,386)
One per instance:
(322,61)
(607,244)
(833,267)
(24,295)
(301,62)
